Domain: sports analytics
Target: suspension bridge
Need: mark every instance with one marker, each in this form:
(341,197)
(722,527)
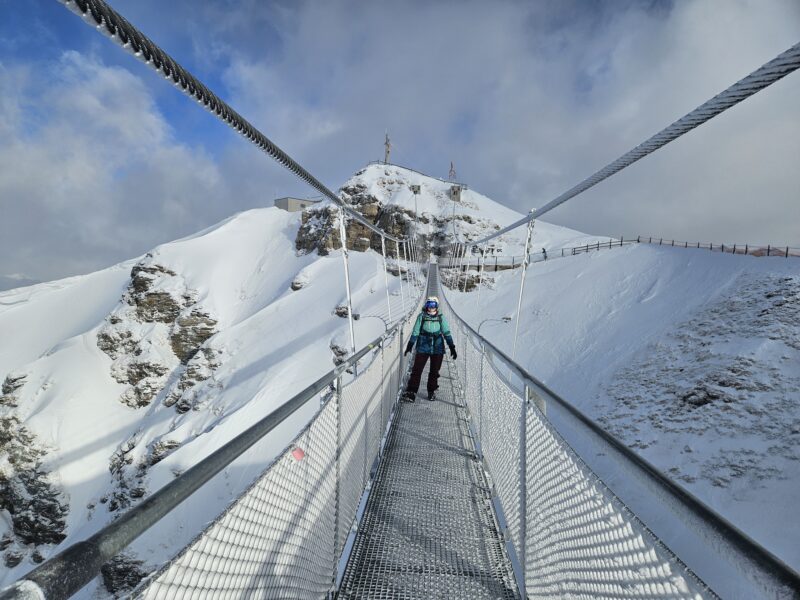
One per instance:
(499,489)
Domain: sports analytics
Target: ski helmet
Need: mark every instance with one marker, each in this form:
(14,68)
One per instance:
(432,304)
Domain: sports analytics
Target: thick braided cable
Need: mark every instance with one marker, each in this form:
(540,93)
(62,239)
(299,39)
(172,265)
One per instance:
(115,26)
(768,74)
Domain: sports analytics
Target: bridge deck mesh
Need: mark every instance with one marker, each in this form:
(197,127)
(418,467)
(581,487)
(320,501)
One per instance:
(428,530)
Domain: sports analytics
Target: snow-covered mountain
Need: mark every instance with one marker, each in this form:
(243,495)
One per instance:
(116,381)
(691,358)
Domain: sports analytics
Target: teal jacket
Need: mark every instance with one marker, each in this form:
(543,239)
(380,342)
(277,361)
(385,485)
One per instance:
(430,333)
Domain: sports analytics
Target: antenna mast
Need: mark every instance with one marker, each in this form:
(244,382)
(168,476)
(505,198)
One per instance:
(452,174)
(388,146)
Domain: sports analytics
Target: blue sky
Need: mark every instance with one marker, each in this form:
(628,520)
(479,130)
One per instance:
(100,159)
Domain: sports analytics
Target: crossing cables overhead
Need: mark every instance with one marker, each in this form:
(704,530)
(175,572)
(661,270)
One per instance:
(759,79)
(106,20)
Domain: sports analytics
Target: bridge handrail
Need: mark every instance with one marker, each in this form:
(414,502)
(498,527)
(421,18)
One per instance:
(64,574)
(769,573)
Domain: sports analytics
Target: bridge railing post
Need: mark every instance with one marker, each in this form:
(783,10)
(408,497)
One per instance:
(337,397)
(523,494)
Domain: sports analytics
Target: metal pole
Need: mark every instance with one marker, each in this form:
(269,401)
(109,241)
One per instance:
(528,238)
(338,491)
(386,278)
(400,274)
(412,278)
(480,275)
(523,496)
(412,246)
(462,251)
(347,280)
(465,261)
(480,383)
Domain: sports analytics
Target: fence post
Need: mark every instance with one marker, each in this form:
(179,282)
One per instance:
(638,239)
(734,248)
(722,248)
(342,235)
(650,241)
(787,251)
(768,248)
(480,274)
(480,406)
(745,249)
(512,263)
(621,239)
(495,263)
(686,244)
(660,241)
(673,243)
(524,270)
(523,496)
(338,491)
(386,278)
(398,247)
(598,244)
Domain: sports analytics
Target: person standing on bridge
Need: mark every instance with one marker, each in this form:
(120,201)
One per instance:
(430,333)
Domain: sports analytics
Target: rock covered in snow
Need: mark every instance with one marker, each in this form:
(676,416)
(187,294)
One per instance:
(155,329)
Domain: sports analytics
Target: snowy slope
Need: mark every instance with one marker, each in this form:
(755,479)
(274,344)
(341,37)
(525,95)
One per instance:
(691,358)
(125,377)
(121,379)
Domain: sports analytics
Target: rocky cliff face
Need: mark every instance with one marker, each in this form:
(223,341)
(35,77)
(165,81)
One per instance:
(156,333)
(320,226)
(155,338)
(35,506)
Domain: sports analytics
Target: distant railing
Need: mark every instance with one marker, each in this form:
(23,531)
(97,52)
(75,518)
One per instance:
(498,262)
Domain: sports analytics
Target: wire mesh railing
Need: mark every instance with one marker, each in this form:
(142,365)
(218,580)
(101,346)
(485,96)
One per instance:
(570,534)
(284,537)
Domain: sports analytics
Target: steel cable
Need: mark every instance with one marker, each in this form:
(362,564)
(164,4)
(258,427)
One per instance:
(759,79)
(115,26)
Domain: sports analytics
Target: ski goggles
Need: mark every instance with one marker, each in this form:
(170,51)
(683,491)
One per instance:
(430,305)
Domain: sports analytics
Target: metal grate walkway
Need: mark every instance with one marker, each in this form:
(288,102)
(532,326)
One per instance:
(428,530)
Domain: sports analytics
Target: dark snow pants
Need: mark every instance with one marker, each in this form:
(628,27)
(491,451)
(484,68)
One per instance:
(433,375)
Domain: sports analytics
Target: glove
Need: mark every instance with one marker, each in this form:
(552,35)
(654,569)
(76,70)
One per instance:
(453,353)
(409,347)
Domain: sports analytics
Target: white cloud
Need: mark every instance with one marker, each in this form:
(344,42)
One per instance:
(526,98)
(530,99)
(91,171)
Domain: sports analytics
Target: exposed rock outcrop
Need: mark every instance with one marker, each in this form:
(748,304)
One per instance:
(37,509)
(156,329)
(11,384)
(122,574)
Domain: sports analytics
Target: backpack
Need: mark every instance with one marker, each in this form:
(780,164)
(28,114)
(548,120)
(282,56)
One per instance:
(425,317)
